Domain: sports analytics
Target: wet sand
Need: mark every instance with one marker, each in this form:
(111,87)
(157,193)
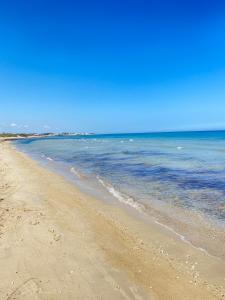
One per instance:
(58,243)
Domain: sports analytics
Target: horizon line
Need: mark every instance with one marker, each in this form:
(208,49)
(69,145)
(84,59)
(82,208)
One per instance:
(110,133)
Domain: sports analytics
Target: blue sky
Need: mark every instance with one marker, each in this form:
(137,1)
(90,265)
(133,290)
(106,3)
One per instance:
(112,66)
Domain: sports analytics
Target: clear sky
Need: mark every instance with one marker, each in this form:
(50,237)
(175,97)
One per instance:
(112,66)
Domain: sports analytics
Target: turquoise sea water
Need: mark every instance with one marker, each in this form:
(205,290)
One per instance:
(182,169)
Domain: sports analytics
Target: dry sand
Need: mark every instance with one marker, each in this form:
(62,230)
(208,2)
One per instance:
(58,243)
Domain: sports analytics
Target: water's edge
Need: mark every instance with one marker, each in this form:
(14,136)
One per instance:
(198,236)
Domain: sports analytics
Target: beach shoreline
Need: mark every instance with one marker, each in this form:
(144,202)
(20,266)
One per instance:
(59,243)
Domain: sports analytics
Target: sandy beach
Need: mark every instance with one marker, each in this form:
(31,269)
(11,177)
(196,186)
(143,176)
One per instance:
(58,243)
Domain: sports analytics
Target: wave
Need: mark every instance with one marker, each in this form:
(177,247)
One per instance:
(185,240)
(47,157)
(179,148)
(77,173)
(141,208)
(120,196)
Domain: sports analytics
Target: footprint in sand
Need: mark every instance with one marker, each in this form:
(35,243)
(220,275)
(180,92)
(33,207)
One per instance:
(56,236)
(34,222)
(29,289)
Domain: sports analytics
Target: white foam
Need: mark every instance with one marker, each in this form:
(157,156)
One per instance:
(131,202)
(138,206)
(75,172)
(131,140)
(49,158)
(121,197)
(46,157)
(179,148)
(182,238)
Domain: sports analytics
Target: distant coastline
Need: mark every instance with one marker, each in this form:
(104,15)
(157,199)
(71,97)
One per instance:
(49,134)
(16,136)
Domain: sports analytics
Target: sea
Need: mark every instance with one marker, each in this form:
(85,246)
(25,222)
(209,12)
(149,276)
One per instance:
(176,178)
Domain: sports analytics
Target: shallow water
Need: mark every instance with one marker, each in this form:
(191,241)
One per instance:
(182,171)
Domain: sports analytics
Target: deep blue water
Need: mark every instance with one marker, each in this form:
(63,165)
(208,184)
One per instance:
(185,169)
